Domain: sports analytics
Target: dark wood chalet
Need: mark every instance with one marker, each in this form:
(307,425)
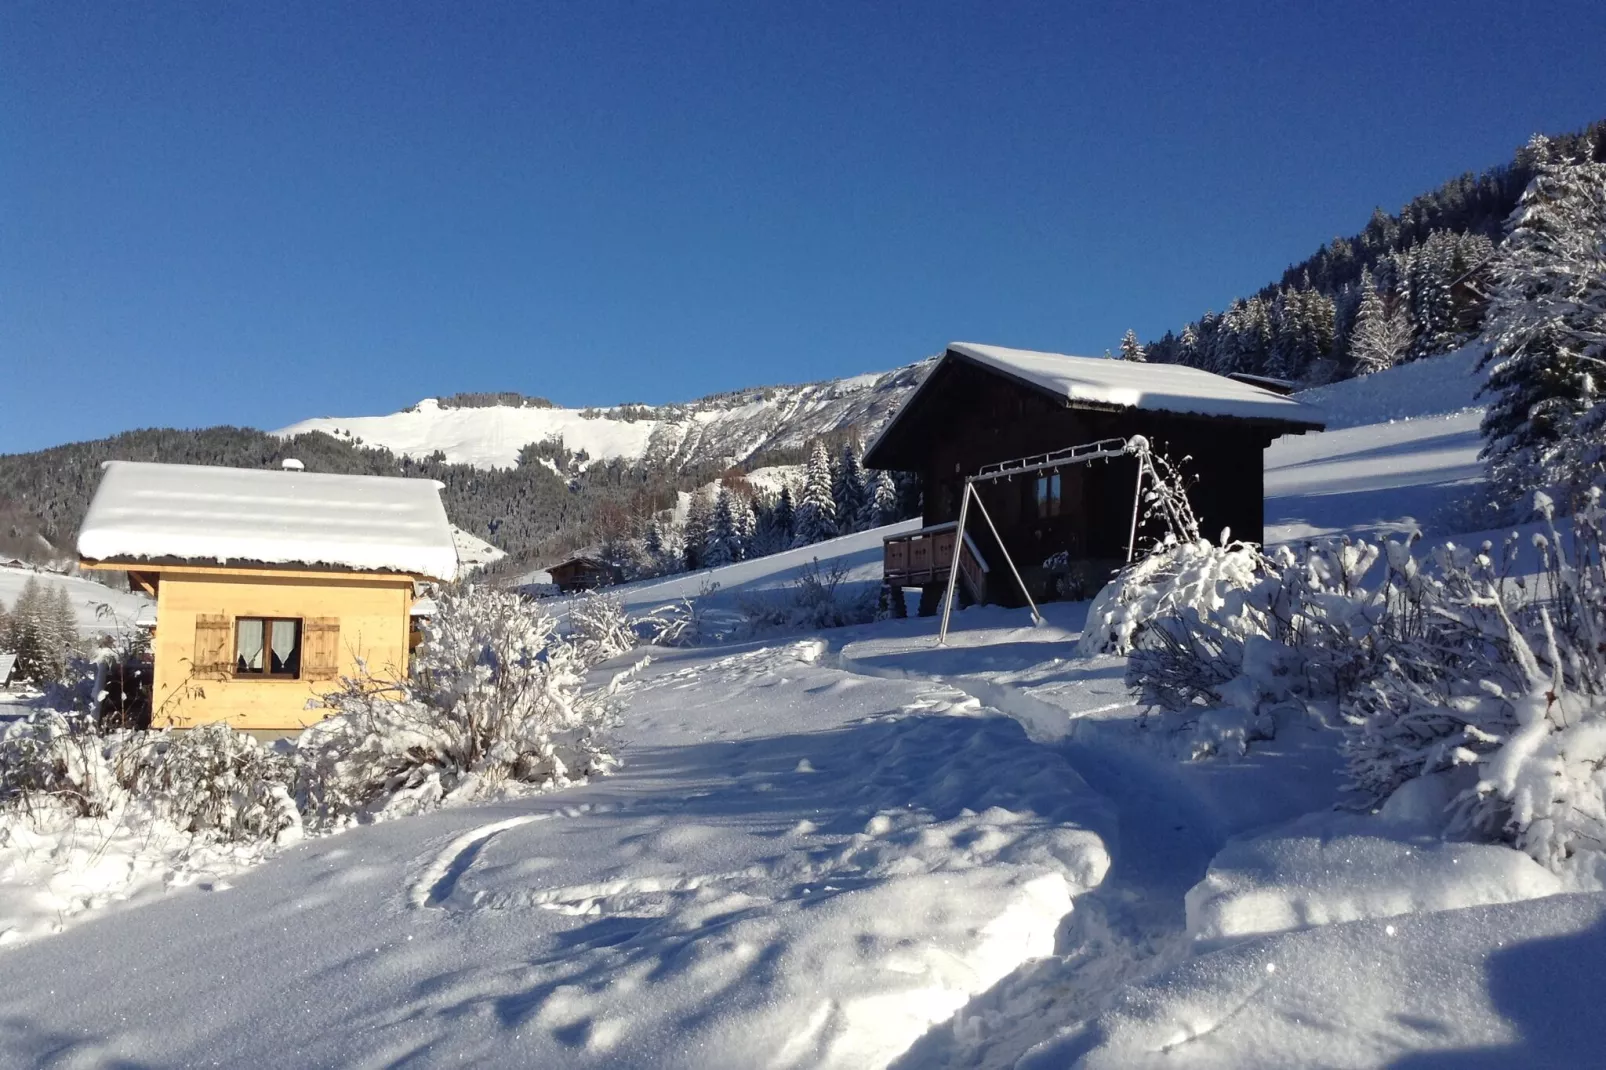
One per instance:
(582,574)
(1067,527)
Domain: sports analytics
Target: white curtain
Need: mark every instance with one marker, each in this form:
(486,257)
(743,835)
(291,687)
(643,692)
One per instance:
(284,646)
(248,646)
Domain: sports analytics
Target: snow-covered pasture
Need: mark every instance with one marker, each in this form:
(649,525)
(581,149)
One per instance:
(96,607)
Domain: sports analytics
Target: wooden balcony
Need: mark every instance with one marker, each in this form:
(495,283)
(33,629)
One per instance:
(922,559)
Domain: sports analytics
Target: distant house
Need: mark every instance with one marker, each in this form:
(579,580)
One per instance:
(986,405)
(582,573)
(8,665)
(269,585)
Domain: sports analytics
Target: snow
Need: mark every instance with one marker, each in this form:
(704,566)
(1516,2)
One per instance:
(859,849)
(1154,387)
(96,608)
(773,880)
(199,513)
(474,552)
(488,437)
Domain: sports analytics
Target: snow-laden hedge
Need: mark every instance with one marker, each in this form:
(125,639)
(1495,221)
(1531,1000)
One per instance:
(208,781)
(1445,662)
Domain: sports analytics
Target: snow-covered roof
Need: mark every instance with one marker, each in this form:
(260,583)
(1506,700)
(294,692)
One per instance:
(200,513)
(1155,387)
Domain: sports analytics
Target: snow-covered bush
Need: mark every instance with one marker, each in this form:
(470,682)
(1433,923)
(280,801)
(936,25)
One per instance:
(1236,629)
(495,700)
(814,600)
(1503,677)
(209,780)
(54,760)
(1174,576)
(111,682)
(601,627)
(674,624)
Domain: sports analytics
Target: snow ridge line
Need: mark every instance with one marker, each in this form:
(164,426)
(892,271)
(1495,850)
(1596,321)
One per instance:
(439,879)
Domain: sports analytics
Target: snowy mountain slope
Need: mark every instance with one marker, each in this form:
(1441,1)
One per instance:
(96,607)
(1400,454)
(720,429)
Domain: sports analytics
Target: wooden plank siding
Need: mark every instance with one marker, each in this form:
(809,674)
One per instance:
(344,618)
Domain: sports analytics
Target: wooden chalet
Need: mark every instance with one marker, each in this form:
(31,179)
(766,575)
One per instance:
(582,573)
(1067,525)
(270,585)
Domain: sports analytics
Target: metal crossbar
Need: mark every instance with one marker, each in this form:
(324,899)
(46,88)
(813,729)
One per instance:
(1087,451)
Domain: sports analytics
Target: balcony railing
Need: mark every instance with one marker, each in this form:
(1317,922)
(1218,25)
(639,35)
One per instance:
(922,559)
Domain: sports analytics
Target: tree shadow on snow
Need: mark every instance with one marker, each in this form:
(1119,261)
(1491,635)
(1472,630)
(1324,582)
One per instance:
(1550,991)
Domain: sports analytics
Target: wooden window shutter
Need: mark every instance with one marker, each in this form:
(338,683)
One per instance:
(214,644)
(320,648)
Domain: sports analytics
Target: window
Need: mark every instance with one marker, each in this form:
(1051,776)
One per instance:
(1048,494)
(267,646)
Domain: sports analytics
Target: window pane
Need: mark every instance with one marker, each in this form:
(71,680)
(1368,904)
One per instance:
(1054,494)
(248,645)
(286,646)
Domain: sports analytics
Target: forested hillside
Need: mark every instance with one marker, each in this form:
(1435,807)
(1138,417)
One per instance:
(1410,284)
(528,510)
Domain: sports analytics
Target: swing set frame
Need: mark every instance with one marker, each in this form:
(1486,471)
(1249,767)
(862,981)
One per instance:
(1102,450)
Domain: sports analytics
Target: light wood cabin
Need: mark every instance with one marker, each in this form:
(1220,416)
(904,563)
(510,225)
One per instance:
(214,662)
(269,586)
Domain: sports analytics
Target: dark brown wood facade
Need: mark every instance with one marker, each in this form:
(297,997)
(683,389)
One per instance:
(582,574)
(967,415)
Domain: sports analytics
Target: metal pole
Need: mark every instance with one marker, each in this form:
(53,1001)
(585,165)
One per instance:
(953,568)
(1137,499)
(1037,618)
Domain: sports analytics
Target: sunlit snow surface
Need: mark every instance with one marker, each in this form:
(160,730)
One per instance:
(858,849)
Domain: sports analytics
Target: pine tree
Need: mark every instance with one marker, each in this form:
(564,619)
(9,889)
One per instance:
(1546,328)
(783,519)
(653,541)
(880,500)
(699,515)
(847,489)
(816,510)
(1130,349)
(720,544)
(1381,335)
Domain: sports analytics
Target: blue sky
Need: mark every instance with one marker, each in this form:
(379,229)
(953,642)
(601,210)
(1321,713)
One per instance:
(255,213)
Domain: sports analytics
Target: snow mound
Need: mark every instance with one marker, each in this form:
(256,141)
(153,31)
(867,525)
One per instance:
(1328,868)
(1510,985)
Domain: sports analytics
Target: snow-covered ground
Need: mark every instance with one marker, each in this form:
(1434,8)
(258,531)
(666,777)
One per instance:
(859,849)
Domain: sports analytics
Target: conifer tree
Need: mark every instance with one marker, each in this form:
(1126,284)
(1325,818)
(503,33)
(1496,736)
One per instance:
(1381,334)
(699,515)
(847,489)
(1131,349)
(719,546)
(783,519)
(880,500)
(816,510)
(1546,425)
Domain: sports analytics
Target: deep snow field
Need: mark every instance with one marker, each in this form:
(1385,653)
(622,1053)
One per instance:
(856,849)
